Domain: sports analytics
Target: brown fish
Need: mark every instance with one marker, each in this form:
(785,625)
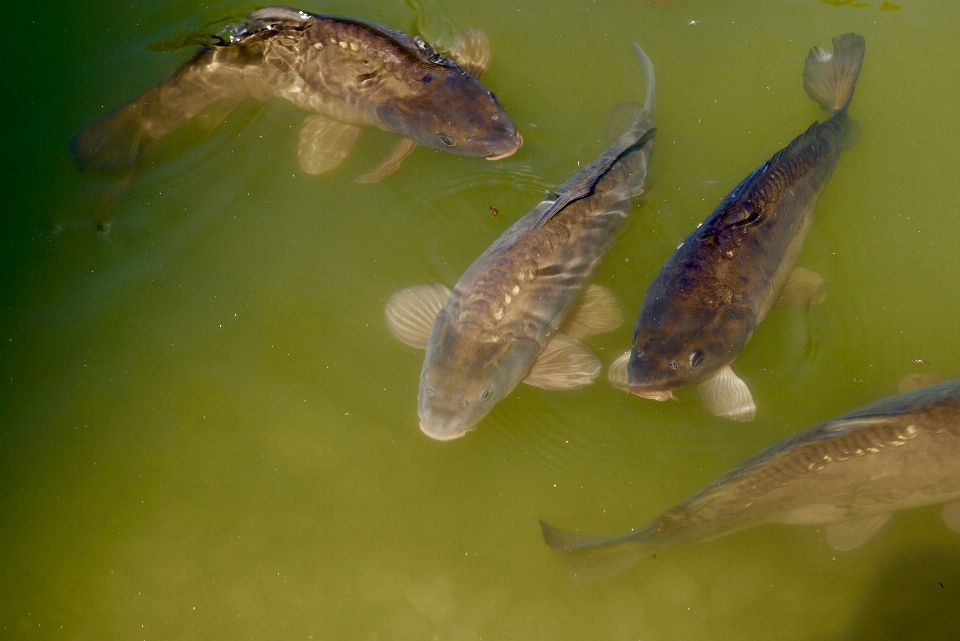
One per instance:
(517,312)
(348,73)
(716,288)
(848,474)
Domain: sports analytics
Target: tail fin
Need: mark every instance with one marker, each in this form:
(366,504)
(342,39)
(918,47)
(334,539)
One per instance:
(831,78)
(567,542)
(589,559)
(647,66)
(211,79)
(112,143)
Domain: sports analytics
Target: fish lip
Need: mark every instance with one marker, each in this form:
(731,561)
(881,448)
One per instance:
(442,437)
(509,153)
(653,394)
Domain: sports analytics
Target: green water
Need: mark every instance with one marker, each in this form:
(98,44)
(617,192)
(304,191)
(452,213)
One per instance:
(207,431)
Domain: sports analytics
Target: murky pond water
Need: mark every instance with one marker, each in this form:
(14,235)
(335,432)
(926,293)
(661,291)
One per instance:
(208,432)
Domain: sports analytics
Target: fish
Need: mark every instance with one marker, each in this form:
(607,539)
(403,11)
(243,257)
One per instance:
(848,474)
(715,289)
(347,73)
(519,311)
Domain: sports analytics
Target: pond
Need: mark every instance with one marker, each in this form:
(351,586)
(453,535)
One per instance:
(207,430)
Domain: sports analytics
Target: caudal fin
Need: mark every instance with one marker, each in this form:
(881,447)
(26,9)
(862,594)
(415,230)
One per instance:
(649,99)
(568,542)
(112,143)
(830,78)
(593,558)
(212,80)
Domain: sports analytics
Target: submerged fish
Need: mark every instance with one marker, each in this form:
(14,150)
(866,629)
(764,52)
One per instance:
(512,315)
(712,293)
(849,474)
(347,72)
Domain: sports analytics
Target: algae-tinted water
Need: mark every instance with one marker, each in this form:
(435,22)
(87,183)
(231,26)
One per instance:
(207,431)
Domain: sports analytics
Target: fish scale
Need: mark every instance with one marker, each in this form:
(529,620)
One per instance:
(500,290)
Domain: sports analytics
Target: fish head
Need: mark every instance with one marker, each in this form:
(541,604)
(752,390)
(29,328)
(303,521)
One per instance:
(463,378)
(676,344)
(451,111)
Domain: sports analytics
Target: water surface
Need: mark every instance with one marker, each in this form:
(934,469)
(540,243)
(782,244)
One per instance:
(208,432)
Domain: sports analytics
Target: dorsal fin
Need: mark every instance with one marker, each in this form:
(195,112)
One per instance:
(785,166)
(800,141)
(744,205)
(587,182)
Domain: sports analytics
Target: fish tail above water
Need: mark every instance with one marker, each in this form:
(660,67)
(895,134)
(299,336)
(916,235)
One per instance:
(830,78)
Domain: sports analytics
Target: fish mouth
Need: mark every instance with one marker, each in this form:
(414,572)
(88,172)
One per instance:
(653,395)
(439,436)
(509,153)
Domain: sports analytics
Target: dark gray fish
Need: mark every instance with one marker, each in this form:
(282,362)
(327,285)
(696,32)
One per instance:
(849,474)
(712,293)
(348,73)
(517,312)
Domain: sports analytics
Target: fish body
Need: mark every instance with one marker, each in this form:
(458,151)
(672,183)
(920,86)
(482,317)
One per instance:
(348,73)
(849,474)
(502,322)
(716,288)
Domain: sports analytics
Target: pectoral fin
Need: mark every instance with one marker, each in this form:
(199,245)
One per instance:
(617,374)
(563,364)
(803,287)
(911,382)
(596,312)
(471,50)
(325,143)
(951,516)
(389,164)
(847,535)
(411,312)
(725,394)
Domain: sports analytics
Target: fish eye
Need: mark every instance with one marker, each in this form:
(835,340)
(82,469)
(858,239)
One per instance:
(674,365)
(485,394)
(446,140)
(697,357)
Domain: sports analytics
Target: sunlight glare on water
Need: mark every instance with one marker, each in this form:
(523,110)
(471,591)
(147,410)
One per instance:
(208,432)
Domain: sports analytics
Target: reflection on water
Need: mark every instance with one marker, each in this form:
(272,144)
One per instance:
(203,408)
